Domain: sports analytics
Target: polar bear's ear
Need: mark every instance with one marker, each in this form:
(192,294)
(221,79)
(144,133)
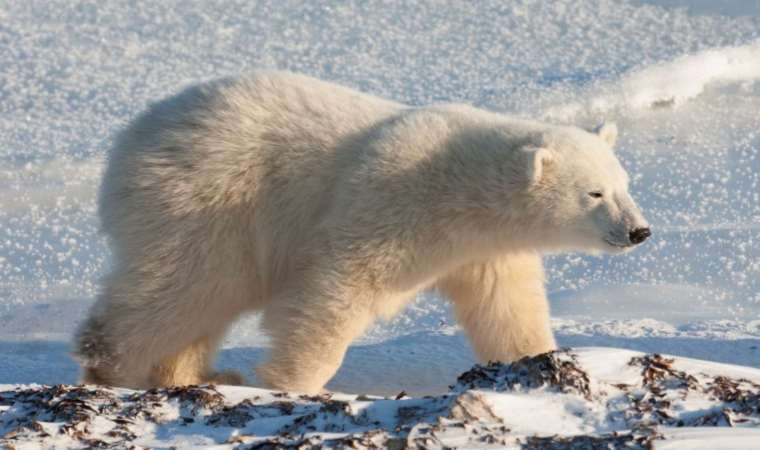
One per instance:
(537,158)
(608,131)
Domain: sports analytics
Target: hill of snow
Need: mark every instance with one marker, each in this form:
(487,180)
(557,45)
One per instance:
(588,398)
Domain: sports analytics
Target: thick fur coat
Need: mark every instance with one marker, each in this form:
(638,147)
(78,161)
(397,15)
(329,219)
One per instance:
(325,208)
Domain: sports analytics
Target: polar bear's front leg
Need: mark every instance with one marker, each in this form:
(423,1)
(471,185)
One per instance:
(502,306)
(310,331)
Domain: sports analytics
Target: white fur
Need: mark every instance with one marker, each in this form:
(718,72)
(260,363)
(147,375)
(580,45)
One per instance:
(325,208)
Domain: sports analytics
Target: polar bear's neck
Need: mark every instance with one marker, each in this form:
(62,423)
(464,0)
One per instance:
(450,182)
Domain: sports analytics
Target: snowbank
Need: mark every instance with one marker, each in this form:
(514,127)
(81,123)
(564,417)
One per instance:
(566,399)
(666,84)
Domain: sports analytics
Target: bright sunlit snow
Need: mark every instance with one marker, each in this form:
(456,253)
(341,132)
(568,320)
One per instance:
(680,77)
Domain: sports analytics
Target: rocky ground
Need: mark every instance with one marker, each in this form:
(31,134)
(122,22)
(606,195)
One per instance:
(585,398)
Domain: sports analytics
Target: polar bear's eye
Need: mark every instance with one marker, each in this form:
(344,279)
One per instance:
(595,194)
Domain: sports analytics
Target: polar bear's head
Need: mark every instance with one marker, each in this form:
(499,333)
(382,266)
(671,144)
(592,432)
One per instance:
(581,192)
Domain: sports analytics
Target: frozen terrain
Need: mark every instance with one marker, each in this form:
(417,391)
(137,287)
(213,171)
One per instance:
(680,77)
(594,398)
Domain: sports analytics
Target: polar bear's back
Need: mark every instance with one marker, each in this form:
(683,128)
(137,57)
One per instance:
(227,160)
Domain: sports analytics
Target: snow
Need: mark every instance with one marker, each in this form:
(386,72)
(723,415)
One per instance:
(724,7)
(600,395)
(680,77)
(671,83)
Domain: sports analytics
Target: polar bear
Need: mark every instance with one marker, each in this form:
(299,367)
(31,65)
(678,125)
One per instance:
(326,208)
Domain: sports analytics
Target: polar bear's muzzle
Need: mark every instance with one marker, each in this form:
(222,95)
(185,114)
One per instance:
(635,237)
(639,235)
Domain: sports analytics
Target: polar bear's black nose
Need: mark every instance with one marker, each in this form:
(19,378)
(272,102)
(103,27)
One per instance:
(639,235)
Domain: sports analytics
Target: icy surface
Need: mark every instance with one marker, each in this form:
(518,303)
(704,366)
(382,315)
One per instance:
(590,398)
(681,78)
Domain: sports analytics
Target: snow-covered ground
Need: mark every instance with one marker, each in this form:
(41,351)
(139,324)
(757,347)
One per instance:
(680,77)
(593,398)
